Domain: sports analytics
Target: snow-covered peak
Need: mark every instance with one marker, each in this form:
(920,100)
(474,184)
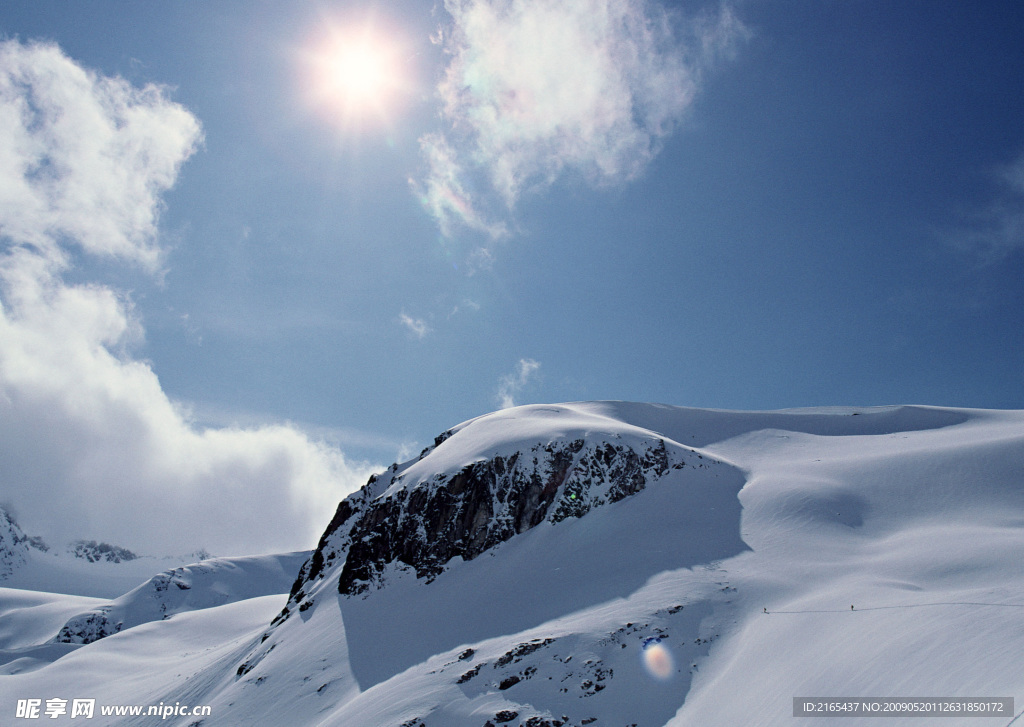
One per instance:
(94,552)
(13,545)
(505,432)
(206,584)
(487,480)
(82,568)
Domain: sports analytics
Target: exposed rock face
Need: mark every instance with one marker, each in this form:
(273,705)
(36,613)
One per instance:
(159,598)
(423,525)
(95,552)
(486,482)
(88,627)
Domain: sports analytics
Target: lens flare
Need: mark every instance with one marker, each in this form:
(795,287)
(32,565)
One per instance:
(657,659)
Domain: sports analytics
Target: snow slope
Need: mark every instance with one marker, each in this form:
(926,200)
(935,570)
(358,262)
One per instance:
(28,622)
(37,628)
(921,531)
(645,607)
(209,583)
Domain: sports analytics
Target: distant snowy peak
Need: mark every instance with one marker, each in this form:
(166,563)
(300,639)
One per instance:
(13,545)
(82,567)
(481,484)
(95,552)
(206,584)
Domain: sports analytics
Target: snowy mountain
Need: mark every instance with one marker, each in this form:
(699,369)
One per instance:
(209,583)
(14,545)
(82,568)
(37,628)
(95,552)
(599,563)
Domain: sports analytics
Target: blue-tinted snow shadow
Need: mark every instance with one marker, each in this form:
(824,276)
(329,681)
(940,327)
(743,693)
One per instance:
(30,658)
(687,519)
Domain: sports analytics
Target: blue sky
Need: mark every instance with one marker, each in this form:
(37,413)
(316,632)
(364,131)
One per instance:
(749,205)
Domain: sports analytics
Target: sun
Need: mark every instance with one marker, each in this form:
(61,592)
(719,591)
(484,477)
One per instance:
(355,76)
(362,72)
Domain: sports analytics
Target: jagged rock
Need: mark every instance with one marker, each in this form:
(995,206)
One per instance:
(420,526)
(514,655)
(88,628)
(95,552)
(13,545)
(34,541)
(469,674)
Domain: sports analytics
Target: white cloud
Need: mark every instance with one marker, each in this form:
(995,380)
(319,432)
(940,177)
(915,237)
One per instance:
(481,258)
(535,88)
(998,230)
(467,304)
(417,326)
(510,385)
(84,158)
(90,445)
(444,194)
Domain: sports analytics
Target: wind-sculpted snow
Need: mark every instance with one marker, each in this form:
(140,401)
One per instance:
(207,584)
(704,427)
(499,475)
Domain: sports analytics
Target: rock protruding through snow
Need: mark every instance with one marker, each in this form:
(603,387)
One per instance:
(419,517)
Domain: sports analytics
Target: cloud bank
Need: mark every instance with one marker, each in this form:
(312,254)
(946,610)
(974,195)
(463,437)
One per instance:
(538,88)
(90,445)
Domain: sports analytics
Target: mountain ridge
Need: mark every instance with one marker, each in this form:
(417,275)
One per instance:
(711,567)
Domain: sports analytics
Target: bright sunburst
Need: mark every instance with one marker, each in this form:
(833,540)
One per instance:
(356,76)
(362,71)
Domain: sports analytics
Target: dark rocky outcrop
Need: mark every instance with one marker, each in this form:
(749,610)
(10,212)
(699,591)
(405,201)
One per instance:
(89,627)
(95,552)
(421,526)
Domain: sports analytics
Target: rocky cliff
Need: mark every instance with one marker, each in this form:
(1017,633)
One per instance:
(458,500)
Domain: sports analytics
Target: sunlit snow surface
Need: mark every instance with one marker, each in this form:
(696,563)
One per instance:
(713,597)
